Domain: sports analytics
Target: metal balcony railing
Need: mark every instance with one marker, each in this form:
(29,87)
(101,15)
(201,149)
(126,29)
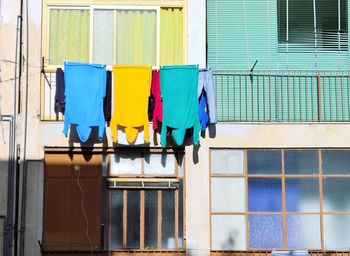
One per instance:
(262,96)
(282,96)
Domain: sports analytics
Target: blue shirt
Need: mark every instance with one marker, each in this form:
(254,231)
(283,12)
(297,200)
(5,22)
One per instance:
(85,89)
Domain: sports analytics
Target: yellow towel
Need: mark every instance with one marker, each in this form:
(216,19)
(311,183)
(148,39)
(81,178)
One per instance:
(131,85)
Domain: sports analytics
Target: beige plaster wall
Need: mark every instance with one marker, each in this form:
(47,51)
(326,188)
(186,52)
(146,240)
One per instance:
(41,134)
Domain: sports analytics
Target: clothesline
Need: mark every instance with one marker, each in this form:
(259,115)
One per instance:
(183,96)
(52,68)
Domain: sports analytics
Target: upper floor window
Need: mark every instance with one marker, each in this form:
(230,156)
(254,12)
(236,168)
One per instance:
(307,24)
(109,34)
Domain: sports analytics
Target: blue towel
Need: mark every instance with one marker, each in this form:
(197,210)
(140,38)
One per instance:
(85,89)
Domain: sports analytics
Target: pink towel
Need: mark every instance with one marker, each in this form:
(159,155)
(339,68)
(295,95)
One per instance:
(158,105)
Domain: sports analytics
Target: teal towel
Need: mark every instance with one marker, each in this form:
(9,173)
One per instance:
(180,102)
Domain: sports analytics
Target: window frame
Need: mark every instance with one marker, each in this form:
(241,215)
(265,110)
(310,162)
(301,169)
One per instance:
(107,4)
(320,177)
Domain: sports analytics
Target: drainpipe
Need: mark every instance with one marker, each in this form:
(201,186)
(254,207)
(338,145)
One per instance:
(18,170)
(8,228)
(4,233)
(25,161)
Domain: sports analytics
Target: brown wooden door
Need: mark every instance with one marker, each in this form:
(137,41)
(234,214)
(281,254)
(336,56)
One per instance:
(66,177)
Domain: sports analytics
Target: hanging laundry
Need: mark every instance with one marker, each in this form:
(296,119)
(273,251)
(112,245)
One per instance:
(59,95)
(180,102)
(85,90)
(207,100)
(107,103)
(132,85)
(202,111)
(158,105)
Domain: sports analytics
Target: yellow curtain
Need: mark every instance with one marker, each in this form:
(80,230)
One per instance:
(171,36)
(69,36)
(136,37)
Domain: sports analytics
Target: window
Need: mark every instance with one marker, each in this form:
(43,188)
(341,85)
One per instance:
(114,34)
(280,199)
(146,201)
(308,24)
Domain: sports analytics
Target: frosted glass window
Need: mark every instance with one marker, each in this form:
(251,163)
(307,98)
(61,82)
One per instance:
(303,231)
(228,194)
(336,232)
(265,195)
(336,161)
(227,161)
(133,219)
(103,36)
(228,232)
(301,162)
(264,162)
(302,195)
(151,219)
(161,164)
(336,194)
(116,218)
(265,231)
(168,219)
(180,167)
(125,163)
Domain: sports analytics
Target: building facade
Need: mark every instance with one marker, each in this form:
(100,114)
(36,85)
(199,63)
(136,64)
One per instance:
(273,173)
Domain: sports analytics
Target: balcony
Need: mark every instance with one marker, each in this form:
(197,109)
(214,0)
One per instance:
(276,96)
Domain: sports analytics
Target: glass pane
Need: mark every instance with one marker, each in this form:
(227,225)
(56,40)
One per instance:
(168,219)
(151,219)
(300,161)
(264,162)
(336,194)
(301,11)
(133,223)
(336,232)
(227,161)
(336,161)
(265,231)
(136,32)
(103,36)
(159,164)
(302,195)
(264,195)
(179,160)
(69,35)
(181,217)
(303,231)
(228,232)
(228,194)
(125,163)
(116,215)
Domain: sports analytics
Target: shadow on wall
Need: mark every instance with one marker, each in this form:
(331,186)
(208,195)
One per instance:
(89,144)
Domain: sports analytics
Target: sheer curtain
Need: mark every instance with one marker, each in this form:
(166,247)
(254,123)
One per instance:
(69,35)
(171,36)
(136,34)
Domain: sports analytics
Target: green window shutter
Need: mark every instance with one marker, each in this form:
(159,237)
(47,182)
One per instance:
(242,31)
